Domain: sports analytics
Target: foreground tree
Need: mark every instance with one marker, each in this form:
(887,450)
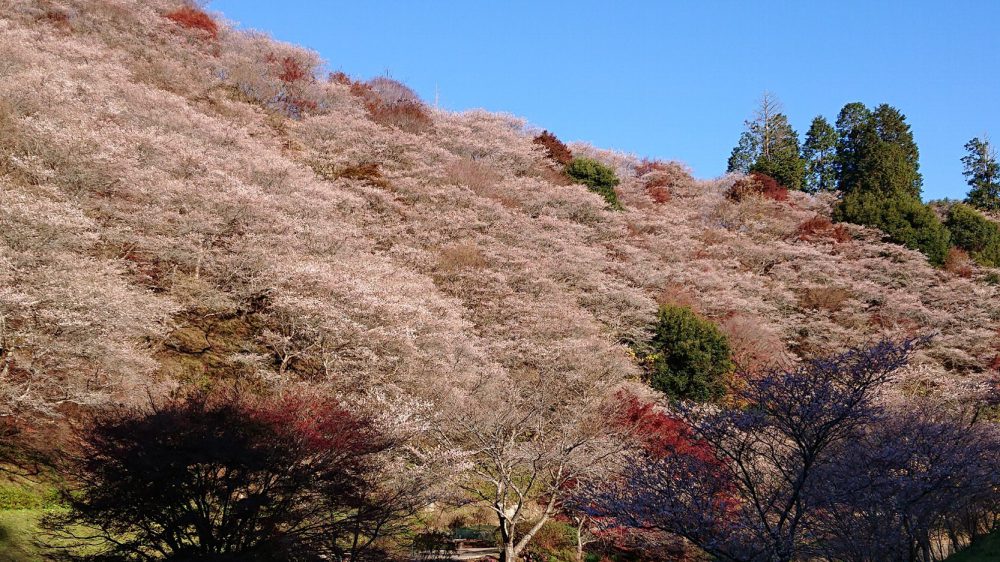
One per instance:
(745,494)
(770,146)
(983,175)
(527,442)
(914,486)
(223,477)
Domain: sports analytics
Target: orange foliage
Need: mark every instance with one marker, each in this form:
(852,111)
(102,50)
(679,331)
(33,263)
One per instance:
(757,185)
(554,148)
(820,228)
(958,263)
(193,18)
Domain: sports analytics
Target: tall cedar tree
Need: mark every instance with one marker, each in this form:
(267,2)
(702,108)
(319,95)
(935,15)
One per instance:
(819,153)
(983,175)
(770,146)
(878,174)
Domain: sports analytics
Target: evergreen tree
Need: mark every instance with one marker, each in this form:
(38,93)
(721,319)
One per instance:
(744,154)
(983,175)
(597,176)
(850,125)
(876,152)
(819,153)
(878,174)
(688,357)
(770,146)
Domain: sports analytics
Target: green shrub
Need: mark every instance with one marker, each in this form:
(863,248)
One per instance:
(905,220)
(974,233)
(689,357)
(598,177)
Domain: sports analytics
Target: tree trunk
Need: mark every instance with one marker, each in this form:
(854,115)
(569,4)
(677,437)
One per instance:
(579,542)
(507,553)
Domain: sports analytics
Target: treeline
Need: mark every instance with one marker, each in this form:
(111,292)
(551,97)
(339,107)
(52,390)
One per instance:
(870,157)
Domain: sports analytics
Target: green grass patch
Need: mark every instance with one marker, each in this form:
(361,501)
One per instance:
(18,530)
(986,549)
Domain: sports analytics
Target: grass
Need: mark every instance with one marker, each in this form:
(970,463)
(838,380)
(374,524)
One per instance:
(986,549)
(18,529)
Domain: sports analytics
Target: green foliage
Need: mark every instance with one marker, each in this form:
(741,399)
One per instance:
(876,152)
(597,176)
(974,233)
(780,157)
(689,357)
(985,549)
(770,146)
(744,154)
(906,221)
(18,532)
(983,175)
(22,496)
(819,153)
(878,174)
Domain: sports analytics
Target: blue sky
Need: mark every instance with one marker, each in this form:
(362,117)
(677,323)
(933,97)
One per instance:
(672,79)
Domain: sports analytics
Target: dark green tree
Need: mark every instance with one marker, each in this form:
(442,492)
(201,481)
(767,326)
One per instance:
(689,357)
(744,154)
(974,233)
(906,221)
(878,174)
(983,175)
(876,152)
(597,176)
(851,123)
(770,146)
(819,153)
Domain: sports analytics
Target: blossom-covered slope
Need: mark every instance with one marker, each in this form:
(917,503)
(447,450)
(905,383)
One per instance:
(182,204)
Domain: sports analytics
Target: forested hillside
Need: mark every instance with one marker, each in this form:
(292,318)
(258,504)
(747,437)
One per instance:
(188,207)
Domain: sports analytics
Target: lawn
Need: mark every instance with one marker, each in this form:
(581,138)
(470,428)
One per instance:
(18,529)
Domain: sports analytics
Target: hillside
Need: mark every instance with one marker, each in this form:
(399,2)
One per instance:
(161,226)
(181,206)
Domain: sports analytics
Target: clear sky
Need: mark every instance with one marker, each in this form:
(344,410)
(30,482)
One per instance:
(671,79)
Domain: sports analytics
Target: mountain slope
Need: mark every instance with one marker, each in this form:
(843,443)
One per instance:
(170,218)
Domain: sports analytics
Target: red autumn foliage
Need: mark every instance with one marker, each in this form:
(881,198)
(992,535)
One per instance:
(659,433)
(291,70)
(193,18)
(757,185)
(411,117)
(340,78)
(822,228)
(554,148)
(958,262)
(389,103)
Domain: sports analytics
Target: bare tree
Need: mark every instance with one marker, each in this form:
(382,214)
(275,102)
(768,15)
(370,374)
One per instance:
(526,441)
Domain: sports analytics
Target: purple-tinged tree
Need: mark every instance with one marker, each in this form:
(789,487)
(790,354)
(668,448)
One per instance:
(913,487)
(753,500)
